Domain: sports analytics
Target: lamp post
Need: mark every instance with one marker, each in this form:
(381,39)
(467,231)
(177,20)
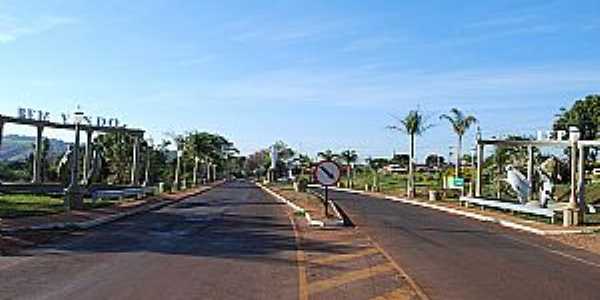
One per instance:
(149,150)
(73,193)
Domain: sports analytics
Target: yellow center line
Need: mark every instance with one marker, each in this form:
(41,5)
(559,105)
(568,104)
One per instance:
(323,285)
(399,294)
(301,261)
(344,257)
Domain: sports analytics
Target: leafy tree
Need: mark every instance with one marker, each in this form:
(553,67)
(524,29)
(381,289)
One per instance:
(328,155)
(117,148)
(585,114)
(460,124)
(349,157)
(413,124)
(434,160)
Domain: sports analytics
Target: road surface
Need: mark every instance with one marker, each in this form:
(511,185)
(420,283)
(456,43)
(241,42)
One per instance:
(233,242)
(456,258)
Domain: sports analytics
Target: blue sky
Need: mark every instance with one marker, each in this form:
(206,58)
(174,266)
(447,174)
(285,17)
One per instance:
(316,74)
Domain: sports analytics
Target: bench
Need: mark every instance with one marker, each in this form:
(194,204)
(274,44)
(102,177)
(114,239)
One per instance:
(512,207)
(120,194)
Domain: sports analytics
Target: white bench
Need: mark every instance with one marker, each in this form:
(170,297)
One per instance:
(512,207)
(119,194)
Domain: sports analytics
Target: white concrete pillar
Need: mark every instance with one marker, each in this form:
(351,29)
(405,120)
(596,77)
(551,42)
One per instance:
(134,164)
(1,131)
(530,171)
(87,165)
(581,179)
(479,185)
(37,156)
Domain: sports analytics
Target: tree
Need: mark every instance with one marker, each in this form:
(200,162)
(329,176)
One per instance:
(412,124)
(117,148)
(349,157)
(585,115)
(460,124)
(327,155)
(434,160)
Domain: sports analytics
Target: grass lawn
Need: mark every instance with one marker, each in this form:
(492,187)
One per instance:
(22,205)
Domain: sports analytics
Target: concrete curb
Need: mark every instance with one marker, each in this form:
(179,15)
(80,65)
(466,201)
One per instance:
(103,220)
(471,215)
(298,209)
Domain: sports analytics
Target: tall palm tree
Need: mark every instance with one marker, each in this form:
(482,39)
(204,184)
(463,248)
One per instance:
(460,124)
(349,157)
(327,155)
(412,124)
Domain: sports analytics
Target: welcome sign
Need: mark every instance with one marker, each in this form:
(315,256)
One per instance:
(44,116)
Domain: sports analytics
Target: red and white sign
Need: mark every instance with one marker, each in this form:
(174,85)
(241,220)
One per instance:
(327,173)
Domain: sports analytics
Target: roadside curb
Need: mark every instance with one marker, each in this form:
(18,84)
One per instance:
(107,219)
(471,215)
(298,209)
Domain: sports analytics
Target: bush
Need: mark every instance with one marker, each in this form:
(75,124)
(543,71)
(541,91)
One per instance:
(301,184)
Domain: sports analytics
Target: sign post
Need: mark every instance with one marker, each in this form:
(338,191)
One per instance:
(327,173)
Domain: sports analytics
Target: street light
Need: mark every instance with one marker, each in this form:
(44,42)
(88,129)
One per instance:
(73,193)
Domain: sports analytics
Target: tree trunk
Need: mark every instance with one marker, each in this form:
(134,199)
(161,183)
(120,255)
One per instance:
(458,155)
(411,169)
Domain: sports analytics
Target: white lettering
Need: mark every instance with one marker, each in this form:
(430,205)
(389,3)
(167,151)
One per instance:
(22,113)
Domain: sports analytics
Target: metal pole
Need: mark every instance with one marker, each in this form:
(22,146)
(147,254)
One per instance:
(326,201)
(37,156)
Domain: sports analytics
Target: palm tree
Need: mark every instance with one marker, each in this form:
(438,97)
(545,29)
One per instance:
(349,157)
(460,124)
(327,155)
(412,124)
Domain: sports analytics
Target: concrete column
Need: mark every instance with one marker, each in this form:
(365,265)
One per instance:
(134,164)
(1,131)
(87,160)
(530,171)
(581,179)
(214,172)
(479,185)
(37,156)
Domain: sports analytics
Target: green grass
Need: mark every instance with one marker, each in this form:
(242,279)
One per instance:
(23,205)
(13,206)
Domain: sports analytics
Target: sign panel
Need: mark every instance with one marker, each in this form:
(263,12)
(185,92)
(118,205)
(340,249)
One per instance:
(327,173)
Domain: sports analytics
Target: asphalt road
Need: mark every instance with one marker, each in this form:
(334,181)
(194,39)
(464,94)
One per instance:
(457,258)
(233,242)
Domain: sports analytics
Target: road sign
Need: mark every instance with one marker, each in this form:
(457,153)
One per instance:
(459,181)
(327,173)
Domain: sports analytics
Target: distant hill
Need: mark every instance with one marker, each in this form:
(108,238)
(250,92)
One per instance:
(18,147)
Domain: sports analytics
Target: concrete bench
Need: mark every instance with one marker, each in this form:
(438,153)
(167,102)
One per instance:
(512,207)
(119,194)
(105,194)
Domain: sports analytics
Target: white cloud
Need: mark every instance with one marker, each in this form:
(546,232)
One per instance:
(12,29)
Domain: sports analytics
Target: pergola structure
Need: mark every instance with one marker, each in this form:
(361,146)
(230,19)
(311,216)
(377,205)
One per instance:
(40,125)
(576,206)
